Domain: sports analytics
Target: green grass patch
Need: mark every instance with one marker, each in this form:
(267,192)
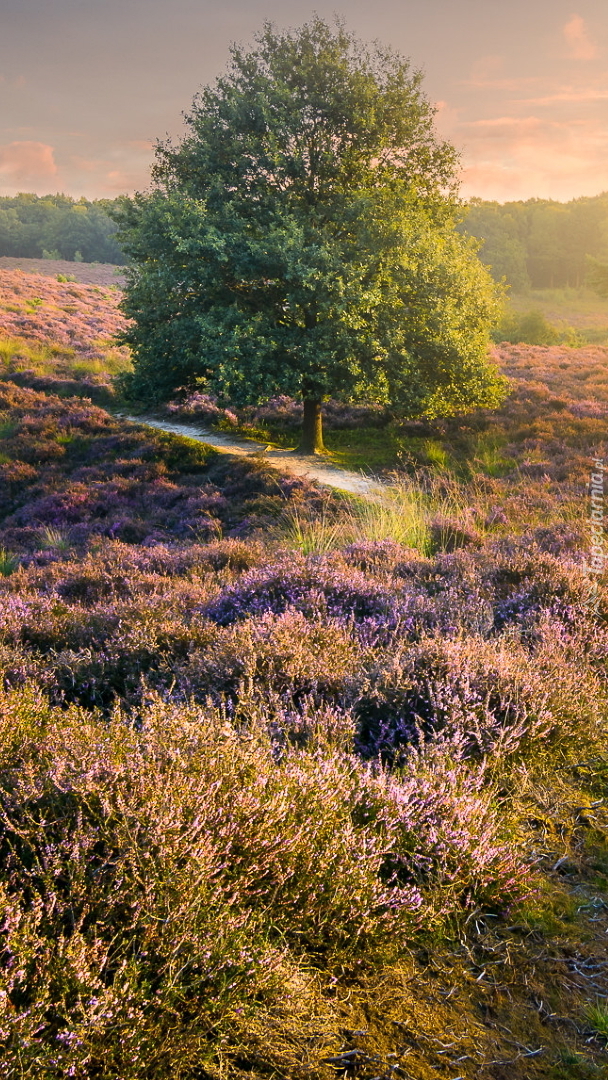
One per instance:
(578,316)
(8,562)
(597,1019)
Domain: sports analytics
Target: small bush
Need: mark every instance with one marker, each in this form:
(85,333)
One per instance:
(313,586)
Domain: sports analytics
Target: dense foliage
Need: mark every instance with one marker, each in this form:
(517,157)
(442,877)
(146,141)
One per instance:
(59,227)
(540,243)
(301,240)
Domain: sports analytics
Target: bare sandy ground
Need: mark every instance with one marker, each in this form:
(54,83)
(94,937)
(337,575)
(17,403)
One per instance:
(285,461)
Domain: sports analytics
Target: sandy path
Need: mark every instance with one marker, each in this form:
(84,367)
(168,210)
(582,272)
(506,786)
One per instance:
(284,460)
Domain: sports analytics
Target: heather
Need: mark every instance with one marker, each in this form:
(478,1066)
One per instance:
(299,785)
(71,472)
(246,790)
(60,335)
(532,453)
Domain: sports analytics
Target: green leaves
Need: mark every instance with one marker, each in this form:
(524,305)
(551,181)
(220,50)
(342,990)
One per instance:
(300,239)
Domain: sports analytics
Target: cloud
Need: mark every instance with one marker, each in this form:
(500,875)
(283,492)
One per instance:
(487,73)
(496,125)
(511,157)
(145,145)
(129,178)
(124,167)
(82,164)
(577,39)
(27,163)
(568,94)
(542,135)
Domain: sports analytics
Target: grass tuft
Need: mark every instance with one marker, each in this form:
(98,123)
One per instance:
(9,562)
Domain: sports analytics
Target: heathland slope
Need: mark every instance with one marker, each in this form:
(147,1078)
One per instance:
(292,783)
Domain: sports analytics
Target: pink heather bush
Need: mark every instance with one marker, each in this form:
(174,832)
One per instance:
(180,870)
(70,466)
(287,654)
(447,835)
(282,413)
(478,698)
(315,586)
(238,783)
(202,408)
(40,309)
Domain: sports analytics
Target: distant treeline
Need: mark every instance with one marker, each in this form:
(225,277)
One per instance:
(58,227)
(535,244)
(541,244)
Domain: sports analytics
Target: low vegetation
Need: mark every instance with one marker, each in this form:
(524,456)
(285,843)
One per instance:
(60,335)
(293,784)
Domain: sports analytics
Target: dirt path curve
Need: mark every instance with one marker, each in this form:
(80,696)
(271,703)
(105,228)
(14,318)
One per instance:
(308,468)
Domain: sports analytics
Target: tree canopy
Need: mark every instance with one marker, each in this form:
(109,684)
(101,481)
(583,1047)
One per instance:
(597,276)
(301,240)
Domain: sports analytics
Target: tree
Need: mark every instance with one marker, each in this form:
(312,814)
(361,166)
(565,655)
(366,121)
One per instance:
(501,248)
(597,276)
(301,239)
(29,225)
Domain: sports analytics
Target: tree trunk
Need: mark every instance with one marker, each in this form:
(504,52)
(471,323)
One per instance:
(311,441)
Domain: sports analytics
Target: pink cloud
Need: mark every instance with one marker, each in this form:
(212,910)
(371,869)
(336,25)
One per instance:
(487,73)
(521,158)
(86,165)
(550,145)
(27,163)
(145,145)
(568,94)
(126,168)
(116,181)
(577,39)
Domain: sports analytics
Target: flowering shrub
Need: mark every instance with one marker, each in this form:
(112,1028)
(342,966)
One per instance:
(201,407)
(282,412)
(184,864)
(531,582)
(475,697)
(447,834)
(286,654)
(71,466)
(316,585)
(237,782)
(41,309)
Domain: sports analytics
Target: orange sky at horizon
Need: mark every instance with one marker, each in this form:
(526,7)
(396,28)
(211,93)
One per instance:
(551,138)
(522,94)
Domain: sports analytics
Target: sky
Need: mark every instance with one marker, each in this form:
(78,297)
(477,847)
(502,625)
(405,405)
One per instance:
(88,86)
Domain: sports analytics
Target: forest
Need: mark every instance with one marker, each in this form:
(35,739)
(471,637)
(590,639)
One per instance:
(537,244)
(540,243)
(58,227)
